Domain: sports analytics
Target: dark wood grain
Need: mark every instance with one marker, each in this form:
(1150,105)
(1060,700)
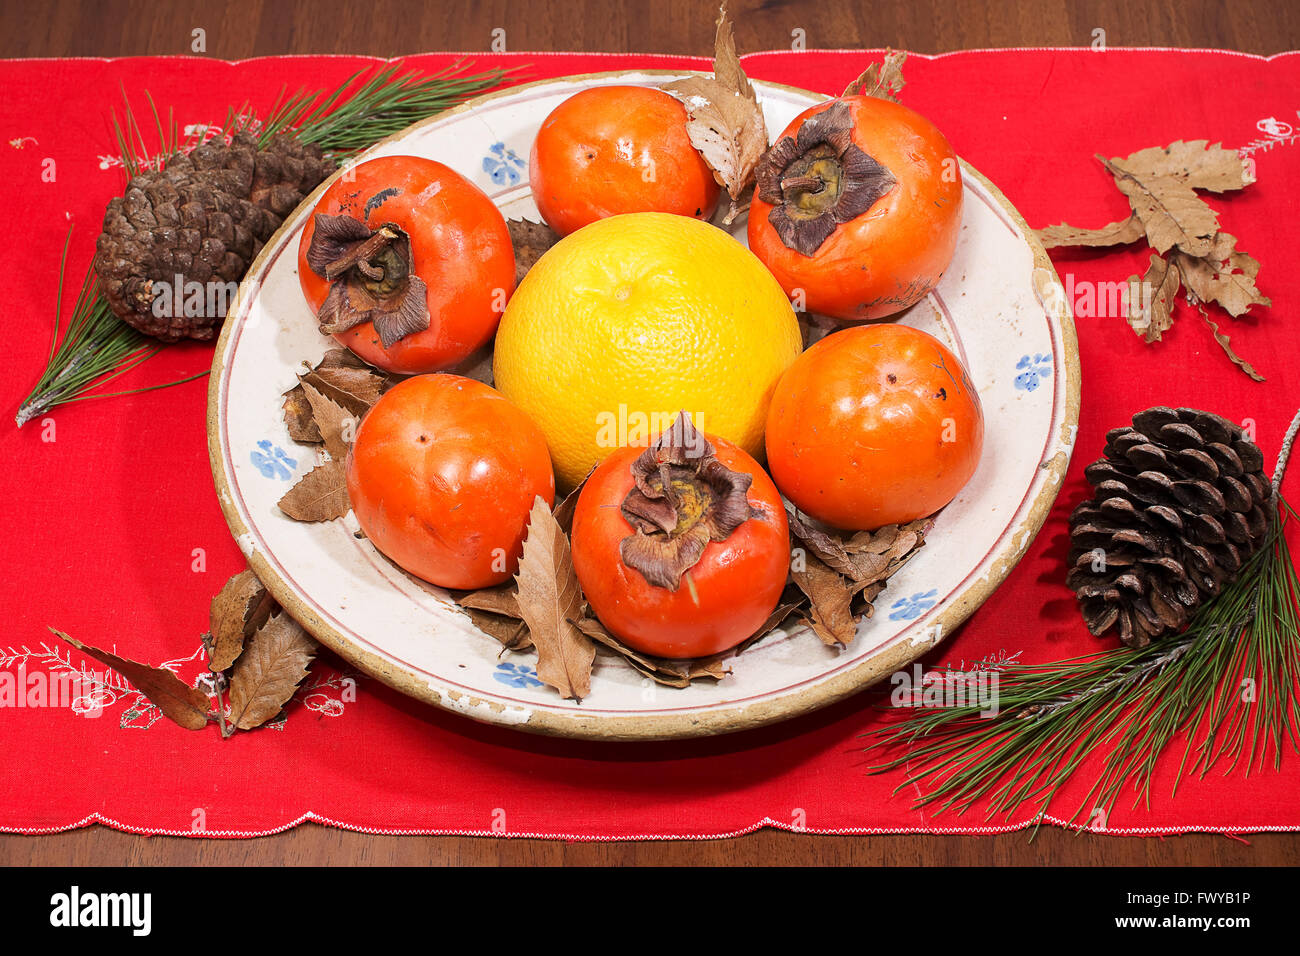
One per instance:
(244,28)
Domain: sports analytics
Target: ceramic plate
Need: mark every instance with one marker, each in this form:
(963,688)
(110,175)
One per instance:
(999,307)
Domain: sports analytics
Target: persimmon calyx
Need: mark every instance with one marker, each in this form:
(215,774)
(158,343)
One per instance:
(819,179)
(372,278)
(683,498)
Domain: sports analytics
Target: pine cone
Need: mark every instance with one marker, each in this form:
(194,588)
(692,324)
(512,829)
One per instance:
(1180,502)
(202,218)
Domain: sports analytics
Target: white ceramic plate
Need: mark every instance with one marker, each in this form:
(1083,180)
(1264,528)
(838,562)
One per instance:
(999,307)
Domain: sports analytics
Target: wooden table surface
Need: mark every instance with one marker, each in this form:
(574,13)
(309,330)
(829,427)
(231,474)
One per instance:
(242,28)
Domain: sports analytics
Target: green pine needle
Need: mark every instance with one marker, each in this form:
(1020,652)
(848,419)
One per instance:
(366,109)
(1228,683)
(97,347)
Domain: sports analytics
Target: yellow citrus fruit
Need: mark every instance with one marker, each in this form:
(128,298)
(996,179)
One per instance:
(634,318)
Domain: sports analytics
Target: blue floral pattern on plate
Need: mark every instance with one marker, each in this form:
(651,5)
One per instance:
(1032,370)
(272,461)
(908,608)
(503,165)
(516,675)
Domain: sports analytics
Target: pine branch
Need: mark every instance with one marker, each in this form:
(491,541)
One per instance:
(1230,678)
(365,109)
(96,346)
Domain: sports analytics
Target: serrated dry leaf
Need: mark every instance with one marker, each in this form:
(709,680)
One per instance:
(1170,210)
(830,599)
(670,673)
(883,80)
(502,599)
(863,605)
(1195,162)
(238,610)
(549,601)
(842,574)
(530,240)
(510,632)
(1193,253)
(724,121)
(269,671)
(337,425)
(343,378)
(1225,276)
(1114,234)
(1150,311)
(495,611)
(1224,344)
(878,554)
(864,557)
(178,701)
(320,495)
(565,509)
(297,417)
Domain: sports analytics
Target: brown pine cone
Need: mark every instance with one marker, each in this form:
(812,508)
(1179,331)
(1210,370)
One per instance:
(1180,502)
(203,219)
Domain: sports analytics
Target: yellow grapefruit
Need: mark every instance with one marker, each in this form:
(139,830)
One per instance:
(631,319)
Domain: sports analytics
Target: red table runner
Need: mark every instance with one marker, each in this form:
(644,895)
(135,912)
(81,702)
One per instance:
(112,531)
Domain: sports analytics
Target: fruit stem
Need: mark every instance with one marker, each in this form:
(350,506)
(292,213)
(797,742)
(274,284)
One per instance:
(811,184)
(361,254)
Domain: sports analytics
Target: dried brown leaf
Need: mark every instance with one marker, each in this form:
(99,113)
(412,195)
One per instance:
(565,509)
(343,378)
(830,598)
(178,701)
(864,557)
(530,240)
(1113,234)
(269,671)
(320,495)
(1171,211)
(671,673)
(297,416)
(1195,162)
(501,599)
(841,574)
(1224,344)
(511,632)
(724,121)
(883,80)
(864,601)
(549,601)
(238,610)
(1150,310)
(337,425)
(878,554)
(1225,276)
(496,612)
